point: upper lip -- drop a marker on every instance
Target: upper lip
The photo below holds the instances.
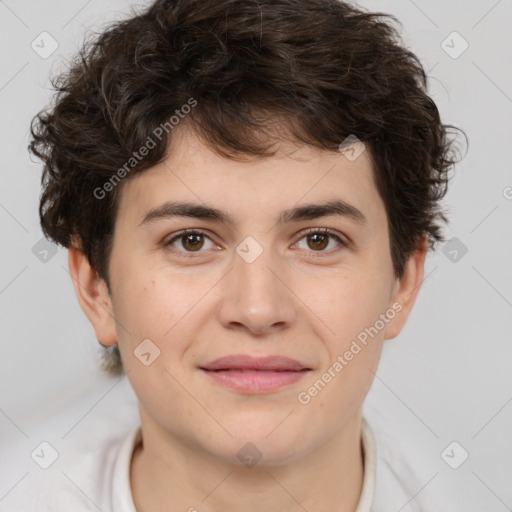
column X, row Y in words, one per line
column 246, row 362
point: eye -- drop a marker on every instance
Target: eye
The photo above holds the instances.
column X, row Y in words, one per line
column 191, row 241
column 320, row 239
column 195, row 240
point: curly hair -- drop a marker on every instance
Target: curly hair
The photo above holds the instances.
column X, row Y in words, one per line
column 326, row 68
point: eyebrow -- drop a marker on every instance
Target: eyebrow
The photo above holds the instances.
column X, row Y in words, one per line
column 305, row 212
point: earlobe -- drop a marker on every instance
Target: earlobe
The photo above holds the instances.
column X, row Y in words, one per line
column 93, row 296
column 407, row 288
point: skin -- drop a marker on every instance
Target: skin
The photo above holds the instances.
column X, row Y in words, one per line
column 294, row 300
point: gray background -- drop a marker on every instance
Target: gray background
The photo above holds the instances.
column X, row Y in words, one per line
column 446, row 378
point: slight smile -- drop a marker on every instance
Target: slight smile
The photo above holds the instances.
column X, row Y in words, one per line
column 253, row 375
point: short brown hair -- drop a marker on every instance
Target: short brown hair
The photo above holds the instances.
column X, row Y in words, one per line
column 327, row 68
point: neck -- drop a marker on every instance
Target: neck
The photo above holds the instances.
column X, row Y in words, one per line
column 168, row 474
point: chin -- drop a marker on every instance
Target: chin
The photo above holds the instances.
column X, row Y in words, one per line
column 270, row 443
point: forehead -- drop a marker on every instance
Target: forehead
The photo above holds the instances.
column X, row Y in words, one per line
column 254, row 188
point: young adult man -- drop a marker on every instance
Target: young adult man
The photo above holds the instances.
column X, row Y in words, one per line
column 248, row 191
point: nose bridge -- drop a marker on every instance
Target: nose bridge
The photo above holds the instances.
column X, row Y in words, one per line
column 257, row 298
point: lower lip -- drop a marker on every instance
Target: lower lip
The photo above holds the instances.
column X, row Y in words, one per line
column 255, row 381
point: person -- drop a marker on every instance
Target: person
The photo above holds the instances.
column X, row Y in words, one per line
column 247, row 191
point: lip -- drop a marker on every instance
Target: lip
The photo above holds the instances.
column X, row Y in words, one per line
column 253, row 375
column 246, row 362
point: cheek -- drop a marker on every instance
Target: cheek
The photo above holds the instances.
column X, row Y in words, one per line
column 353, row 341
column 350, row 304
column 137, row 285
column 156, row 304
column 142, row 306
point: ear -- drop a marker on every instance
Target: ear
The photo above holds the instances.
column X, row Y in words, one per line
column 407, row 288
column 93, row 296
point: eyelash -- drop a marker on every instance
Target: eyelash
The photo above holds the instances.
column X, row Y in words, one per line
column 194, row 254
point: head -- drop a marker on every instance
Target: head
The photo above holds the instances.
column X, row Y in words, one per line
column 246, row 111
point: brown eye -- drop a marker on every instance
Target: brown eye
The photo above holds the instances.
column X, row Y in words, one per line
column 318, row 241
column 188, row 242
column 193, row 241
column 321, row 241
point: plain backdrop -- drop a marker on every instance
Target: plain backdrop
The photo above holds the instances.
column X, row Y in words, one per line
column 445, row 378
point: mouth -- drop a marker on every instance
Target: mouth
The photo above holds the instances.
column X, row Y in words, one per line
column 254, row 375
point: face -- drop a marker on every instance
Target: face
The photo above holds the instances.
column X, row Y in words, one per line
column 266, row 271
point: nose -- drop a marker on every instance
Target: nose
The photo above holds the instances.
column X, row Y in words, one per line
column 256, row 297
